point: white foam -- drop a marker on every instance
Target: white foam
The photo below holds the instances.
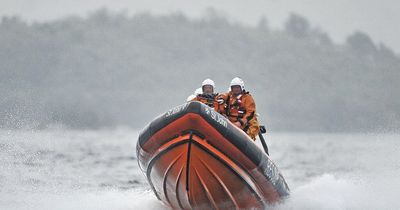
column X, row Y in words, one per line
column 329, row 192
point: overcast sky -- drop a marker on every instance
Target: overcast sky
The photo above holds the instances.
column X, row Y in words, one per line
column 379, row 18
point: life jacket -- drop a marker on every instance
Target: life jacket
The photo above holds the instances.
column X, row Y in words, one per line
column 208, row 99
column 236, row 109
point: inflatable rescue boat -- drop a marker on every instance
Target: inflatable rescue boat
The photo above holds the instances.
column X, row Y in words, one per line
column 194, row 158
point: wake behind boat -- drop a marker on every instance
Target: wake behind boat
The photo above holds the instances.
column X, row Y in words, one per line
column 194, row 158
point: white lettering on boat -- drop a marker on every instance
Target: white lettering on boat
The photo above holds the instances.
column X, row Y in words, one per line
column 216, row 117
column 272, row 173
column 176, row 110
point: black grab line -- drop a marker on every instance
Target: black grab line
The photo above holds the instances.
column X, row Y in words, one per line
column 188, row 160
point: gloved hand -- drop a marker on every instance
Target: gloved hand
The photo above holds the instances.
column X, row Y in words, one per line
column 238, row 124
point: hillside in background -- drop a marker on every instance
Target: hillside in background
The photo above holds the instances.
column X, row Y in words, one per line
column 112, row 69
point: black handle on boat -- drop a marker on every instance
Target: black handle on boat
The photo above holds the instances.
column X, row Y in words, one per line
column 264, row 144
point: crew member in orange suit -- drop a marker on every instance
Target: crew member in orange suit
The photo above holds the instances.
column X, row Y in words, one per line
column 207, row 96
column 239, row 107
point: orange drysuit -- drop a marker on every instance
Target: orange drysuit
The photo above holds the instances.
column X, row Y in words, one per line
column 240, row 108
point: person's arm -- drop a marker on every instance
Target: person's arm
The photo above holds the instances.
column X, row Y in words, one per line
column 221, row 102
column 250, row 106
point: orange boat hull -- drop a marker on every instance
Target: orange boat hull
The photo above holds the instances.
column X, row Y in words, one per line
column 194, row 158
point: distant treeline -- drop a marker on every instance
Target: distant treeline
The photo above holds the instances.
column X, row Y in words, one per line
column 110, row 69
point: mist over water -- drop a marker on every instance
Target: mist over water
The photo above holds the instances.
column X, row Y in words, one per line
column 108, row 69
column 69, row 169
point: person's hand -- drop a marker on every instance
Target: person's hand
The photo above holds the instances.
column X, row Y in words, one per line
column 237, row 124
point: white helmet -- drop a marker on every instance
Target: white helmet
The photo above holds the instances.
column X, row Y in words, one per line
column 237, row 81
column 208, row 82
column 198, row 91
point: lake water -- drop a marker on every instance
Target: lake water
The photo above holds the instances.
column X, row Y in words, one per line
column 97, row 169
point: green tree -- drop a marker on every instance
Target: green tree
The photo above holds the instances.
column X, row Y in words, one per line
column 297, row 26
